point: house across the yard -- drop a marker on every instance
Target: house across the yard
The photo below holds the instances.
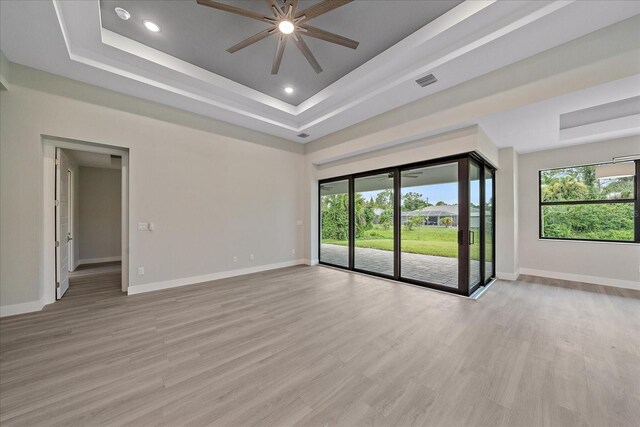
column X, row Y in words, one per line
column 434, row 215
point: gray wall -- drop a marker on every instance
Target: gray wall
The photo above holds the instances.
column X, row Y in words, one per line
column 507, row 226
column 213, row 190
column 100, row 214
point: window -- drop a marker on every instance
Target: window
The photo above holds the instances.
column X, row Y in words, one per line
column 428, row 223
column 593, row 202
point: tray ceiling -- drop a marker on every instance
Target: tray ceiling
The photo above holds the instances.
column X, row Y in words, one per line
column 200, row 36
column 72, row 38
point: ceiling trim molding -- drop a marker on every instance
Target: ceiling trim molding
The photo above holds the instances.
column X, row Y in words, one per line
column 466, row 29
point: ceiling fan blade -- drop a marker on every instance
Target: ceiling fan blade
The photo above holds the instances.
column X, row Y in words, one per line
column 291, row 4
column 277, row 59
column 236, row 10
column 275, row 7
column 329, row 37
column 321, row 8
column 251, row 40
column 297, row 39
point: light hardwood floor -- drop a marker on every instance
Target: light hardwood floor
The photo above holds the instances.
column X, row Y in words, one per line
column 318, row 346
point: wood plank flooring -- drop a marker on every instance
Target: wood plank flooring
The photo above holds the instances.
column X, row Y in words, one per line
column 317, row 346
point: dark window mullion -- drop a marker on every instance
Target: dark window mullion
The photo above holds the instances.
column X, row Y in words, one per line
column 637, row 202
column 352, row 223
column 587, row 202
column 397, row 206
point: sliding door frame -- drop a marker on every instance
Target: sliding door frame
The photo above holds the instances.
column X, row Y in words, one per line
column 463, row 161
column 350, row 241
column 352, row 230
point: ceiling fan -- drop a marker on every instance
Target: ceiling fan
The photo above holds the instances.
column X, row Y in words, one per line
column 409, row 174
column 288, row 22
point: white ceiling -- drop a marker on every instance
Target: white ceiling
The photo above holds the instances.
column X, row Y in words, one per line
column 474, row 38
column 536, row 126
column 200, row 36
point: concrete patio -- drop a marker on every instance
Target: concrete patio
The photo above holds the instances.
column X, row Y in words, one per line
column 428, row 268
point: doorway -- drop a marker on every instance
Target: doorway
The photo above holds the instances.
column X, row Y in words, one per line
column 427, row 223
column 86, row 215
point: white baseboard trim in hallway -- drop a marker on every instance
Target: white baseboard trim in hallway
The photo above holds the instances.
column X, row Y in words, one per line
column 156, row 286
column 99, row 260
column 627, row 284
column 25, row 307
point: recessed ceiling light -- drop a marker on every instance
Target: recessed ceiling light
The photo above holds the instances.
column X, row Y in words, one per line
column 286, row 27
column 288, row 90
column 151, row 26
column 122, row 14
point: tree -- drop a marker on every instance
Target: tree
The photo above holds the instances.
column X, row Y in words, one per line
column 414, row 221
column 384, row 199
column 441, row 203
column 565, row 188
column 412, row 201
column 447, row 221
column 386, row 219
column 335, row 217
column 364, row 215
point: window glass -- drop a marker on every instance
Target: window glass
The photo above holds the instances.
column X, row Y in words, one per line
column 593, row 182
column 592, row 202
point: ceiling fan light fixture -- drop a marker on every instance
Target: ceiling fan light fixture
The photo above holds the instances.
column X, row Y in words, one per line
column 286, row 27
column 122, row 13
column 151, row 26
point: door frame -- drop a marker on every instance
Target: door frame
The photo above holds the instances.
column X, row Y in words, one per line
column 463, row 161
column 49, row 145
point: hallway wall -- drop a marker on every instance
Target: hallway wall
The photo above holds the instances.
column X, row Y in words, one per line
column 100, row 214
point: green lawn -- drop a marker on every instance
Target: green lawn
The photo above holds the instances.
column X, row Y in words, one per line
column 438, row 241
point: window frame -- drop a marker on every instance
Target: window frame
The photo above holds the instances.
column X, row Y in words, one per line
column 462, row 161
column 635, row 201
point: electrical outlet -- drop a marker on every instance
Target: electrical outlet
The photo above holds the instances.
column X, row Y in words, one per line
column 251, row 257
column 140, row 271
column 235, row 259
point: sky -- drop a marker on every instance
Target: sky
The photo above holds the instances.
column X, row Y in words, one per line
column 447, row 193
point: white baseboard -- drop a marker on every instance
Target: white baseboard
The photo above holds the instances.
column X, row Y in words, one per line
column 97, row 260
column 508, row 276
column 312, row 261
column 156, row 286
column 628, row 284
column 25, row 307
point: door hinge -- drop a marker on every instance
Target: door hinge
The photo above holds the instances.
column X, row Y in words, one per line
column 56, row 202
column 57, row 162
column 57, row 244
column 57, row 285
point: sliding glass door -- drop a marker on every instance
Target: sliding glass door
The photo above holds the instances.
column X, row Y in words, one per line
column 374, row 230
column 429, row 223
column 429, row 231
column 334, row 220
column 474, row 237
column 489, row 272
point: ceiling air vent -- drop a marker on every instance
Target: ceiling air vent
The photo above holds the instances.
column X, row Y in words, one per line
column 426, row 80
column 303, row 135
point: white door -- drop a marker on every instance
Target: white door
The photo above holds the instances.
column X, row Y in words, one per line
column 63, row 235
column 70, row 195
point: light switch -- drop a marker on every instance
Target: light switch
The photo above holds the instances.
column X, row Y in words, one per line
column 143, row 226
column 140, row 271
column 151, row 226
column 299, row 222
